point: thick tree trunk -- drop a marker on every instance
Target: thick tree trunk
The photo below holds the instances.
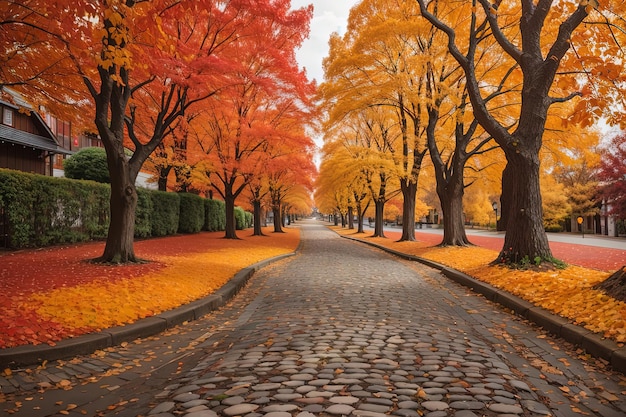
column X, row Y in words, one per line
column 409, row 193
column 451, row 198
column 525, row 238
column 257, row 213
column 350, row 218
column 229, row 203
column 379, row 220
column 278, row 219
column 119, row 246
column 360, row 212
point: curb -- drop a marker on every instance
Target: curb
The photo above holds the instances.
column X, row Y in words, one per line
column 88, row 343
column 593, row 344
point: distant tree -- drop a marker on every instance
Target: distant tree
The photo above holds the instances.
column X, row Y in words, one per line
column 612, row 176
column 555, row 203
column 88, row 164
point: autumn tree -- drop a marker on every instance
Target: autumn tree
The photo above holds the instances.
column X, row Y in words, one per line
column 536, row 36
column 330, row 194
column 343, row 169
column 380, row 62
column 138, row 62
column 574, row 165
column 612, row 176
column 291, row 177
column 368, row 137
column 241, row 123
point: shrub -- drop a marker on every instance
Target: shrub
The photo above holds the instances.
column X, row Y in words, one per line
column 239, row 218
column 191, row 218
column 88, row 164
column 143, row 213
column 43, row 210
column 17, row 200
column 215, row 213
column 165, row 213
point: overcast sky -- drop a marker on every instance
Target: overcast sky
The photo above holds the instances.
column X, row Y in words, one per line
column 329, row 16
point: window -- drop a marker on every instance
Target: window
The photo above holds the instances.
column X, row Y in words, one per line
column 7, row 116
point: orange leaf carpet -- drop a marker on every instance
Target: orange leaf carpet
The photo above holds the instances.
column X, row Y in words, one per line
column 50, row 294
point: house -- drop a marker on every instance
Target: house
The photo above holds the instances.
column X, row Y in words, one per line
column 27, row 143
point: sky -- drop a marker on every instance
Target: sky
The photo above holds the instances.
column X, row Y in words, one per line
column 329, row 16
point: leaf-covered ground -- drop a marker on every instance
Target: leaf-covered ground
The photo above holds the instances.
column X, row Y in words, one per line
column 50, row 294
column 568, row 292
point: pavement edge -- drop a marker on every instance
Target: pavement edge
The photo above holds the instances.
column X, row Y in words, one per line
column 592, row 343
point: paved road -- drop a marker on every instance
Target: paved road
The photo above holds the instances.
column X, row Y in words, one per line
column 339, row 330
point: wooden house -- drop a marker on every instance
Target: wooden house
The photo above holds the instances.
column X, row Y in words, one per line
column 27, row 143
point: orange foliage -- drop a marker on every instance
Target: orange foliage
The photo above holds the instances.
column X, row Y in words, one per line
column 568, row 292
column 188, row 267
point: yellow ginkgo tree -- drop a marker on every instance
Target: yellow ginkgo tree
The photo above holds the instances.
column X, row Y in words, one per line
column 562, row 49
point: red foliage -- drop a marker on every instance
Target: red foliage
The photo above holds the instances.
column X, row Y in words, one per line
column 612, row 176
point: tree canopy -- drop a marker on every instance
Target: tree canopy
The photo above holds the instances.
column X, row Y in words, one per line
column 132, row 70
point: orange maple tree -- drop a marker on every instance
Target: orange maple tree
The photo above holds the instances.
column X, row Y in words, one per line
column 247, row 117
column 142, row 63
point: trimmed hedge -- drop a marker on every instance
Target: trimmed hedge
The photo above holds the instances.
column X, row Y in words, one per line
column 43, row 210
column 243, row 219
column 215, row 213
column 191, row 218
column 143, row 213
column 40, row 210
column 166, row 210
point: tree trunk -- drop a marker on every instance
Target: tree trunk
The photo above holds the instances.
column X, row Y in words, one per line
column 360, row 212
column 257, row 212
column 119, row 246
column 278, row 221
column 525, row 238
column 379, row 220
column 451, row 198
column 163, row 174
column 350, row 218
column 409, row 193
column 229, row 203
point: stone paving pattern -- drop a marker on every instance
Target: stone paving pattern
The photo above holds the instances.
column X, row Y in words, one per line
column 339, row 330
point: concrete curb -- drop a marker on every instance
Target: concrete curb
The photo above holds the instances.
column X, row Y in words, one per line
column 86, row 344
column 591, row 342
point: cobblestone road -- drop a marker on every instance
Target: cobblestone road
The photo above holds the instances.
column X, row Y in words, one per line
column 339, row 330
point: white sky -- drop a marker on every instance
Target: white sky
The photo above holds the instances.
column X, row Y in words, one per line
column 329, row 16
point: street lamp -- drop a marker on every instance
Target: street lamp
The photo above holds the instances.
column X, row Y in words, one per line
column 494, row 205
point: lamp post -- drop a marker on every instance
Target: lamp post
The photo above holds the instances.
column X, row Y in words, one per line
column 494, row 205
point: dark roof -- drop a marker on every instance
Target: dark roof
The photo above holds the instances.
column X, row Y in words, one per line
column 19, row 137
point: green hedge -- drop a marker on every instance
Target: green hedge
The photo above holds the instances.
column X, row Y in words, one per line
column 143, row 213
column 166, row 210
column 41, row 210
column 17, row 203
column 243, row 219
column 215, row 213
column 191, row 218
